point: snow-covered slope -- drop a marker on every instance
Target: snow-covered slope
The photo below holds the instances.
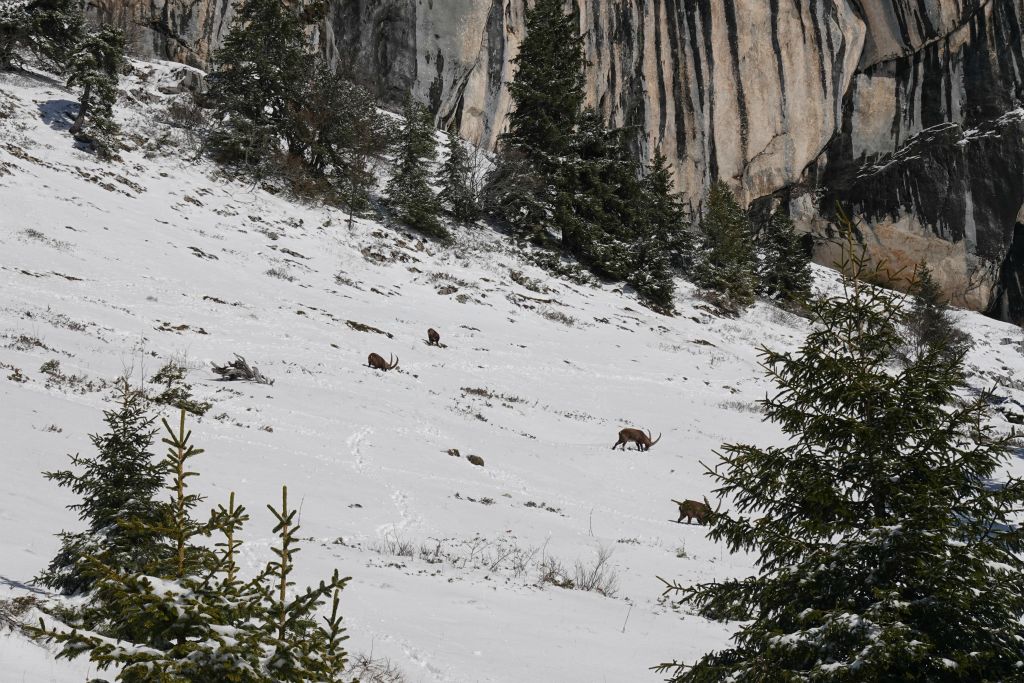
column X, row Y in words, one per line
column 118, row 268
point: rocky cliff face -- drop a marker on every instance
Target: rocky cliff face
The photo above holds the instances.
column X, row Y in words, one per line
column 746, row 90
column 930, row 147
column 903, row 110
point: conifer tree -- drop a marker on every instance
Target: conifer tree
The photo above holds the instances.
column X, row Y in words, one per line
column 727, row 263
column 300, row 649
column 50, row 29
column 178, row 526
column 596, row 196
column 177, row 393
column 884, row 552
column 258, row 84
column 547, row 90
column 200, row 621
column 785, row 269
column 118, row 489
column 409, row 191
column 13, row 31
column 345, row 132
column 95, row 67
column 518, row 195
column 455, row 180
column 547, row 94
column 928, row 321
column 650, row 270
column 662, row 242
column 666, row 211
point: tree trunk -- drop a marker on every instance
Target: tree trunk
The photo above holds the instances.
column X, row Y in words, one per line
column 83, row 111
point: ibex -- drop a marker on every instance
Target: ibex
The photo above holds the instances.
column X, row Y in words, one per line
column 377, row 362
column 642, row 441
column 692, row 509
column 433, row 338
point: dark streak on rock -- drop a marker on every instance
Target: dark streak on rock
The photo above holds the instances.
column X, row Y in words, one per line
column 737, row 74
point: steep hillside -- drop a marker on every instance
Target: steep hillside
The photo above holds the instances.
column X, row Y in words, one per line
column 900, row 109
column 112, row 269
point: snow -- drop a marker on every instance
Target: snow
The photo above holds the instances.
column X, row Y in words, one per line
column 101, row 266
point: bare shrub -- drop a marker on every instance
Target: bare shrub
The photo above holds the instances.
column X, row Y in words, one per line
column 14, row 610
column 521, row 560
column 33, row 234
column 184, row 114
column 78, row 384
column 532, row 284
column 742, row 406
column 25, row 342
column 558, row 317
column 365, row 669
column 483, row 392
column 62, row 320
column 346, row 281
column 599, row 577
column 502, row 556
column 431, row 554
column 438, row 277
column 16, row 374
column 392, row 544
column 552, row 572
column 281, row 274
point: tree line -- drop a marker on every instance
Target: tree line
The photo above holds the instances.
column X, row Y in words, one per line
column 277, row 111
column 157, row 600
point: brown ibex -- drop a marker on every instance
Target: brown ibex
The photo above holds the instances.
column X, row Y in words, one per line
column 377, row 362
column 692, row 509
column 433, row 338
column 642, row 441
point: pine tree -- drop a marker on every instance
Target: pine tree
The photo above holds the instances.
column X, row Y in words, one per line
column 177, row 393
column 345, row 133
column 650, row 271
column 884, row 551
column 928, row 322
column 727, row 263
column 524, row 187
column 55, row 29
column 596, row 192
column 118, row 489
column 300, row 649
column 178, row 526
column 409, row 191
column 196, row 622
column 666, row 211
column 661, row 240
column 13, row 29
column 785, row 269
column 49, row 29
column 259, row 81
column 454, row 177
column 95, row 67
column 519, row 196
column 547, row 90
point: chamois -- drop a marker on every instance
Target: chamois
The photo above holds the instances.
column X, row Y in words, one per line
column 433, row 338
